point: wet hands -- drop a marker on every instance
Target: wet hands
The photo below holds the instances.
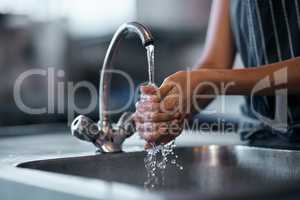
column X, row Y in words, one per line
column 160, row 112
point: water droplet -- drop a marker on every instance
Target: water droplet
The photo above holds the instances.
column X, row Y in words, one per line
column 156, row 162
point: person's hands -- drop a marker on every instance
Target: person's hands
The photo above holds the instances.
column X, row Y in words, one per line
column 154, row 123
column 160, row 113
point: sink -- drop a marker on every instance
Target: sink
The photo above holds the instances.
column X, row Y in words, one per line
column 207, row 170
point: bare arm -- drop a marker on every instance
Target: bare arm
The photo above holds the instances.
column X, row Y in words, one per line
column 219, row 50
column 219, row 53
column 281, row 74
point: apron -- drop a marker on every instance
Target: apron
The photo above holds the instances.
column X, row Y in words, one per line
column 265, row 32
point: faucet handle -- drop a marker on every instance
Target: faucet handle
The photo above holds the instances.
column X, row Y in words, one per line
column 124, row 128
column 110, row 138
column 115, row 135
column 126, row 124
column 84, row 128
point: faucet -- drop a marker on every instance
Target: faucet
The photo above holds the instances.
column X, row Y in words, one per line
column 107, row 136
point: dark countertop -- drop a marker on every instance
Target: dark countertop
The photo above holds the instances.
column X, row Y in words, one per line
column 22, row 144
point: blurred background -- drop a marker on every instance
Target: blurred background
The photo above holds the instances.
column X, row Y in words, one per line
column 73, row 36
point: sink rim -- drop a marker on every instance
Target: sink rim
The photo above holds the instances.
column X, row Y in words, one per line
column 19, row 164
column 273, row 190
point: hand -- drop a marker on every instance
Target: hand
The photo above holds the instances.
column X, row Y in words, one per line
column 154, row 125
column 160, row 113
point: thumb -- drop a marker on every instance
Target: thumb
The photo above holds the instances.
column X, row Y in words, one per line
column 148, row 89
column 164, row 89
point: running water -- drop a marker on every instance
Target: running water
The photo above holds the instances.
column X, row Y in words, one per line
column 150, row 58
column 158, row 156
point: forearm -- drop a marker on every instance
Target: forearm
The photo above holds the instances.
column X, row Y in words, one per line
column 285, row 74
column 214, row 55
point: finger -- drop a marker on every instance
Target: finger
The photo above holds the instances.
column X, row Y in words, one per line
column 151, row 98
column 151, row 137
column 160, row 132
column 163, row 140
column 152, row 127
column 142, row 106
column 166, row 139
column 175, row 127
column 170, row 103
column 164, row 89
column 156, row 138
column 151, row 132
column 172, row 133
column 162, row 127
column 148, row 146
column 155, row 117
column 148, row 89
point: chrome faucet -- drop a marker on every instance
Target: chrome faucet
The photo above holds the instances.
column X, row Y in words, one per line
column 106, row 136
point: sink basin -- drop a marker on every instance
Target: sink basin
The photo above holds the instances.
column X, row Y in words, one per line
column 207, row 170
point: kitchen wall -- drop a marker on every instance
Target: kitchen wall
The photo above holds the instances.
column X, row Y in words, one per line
column 73, row 36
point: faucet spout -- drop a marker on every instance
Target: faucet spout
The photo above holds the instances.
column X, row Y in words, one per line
column 146, row 37
column 109, row 137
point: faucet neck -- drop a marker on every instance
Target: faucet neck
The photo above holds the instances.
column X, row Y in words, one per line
column 146, row 37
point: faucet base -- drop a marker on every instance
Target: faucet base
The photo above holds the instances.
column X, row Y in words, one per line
column 108, row 139
column 111, row 148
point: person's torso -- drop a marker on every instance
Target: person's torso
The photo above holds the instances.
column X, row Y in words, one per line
column 267, row 31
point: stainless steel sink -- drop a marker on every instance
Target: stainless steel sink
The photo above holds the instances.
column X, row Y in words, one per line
column 207, row 170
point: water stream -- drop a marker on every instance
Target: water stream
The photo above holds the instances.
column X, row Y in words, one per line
column 150, row 58
column 158, row 156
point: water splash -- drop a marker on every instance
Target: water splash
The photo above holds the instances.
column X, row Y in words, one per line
column 156, row 162
column 150, row 58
